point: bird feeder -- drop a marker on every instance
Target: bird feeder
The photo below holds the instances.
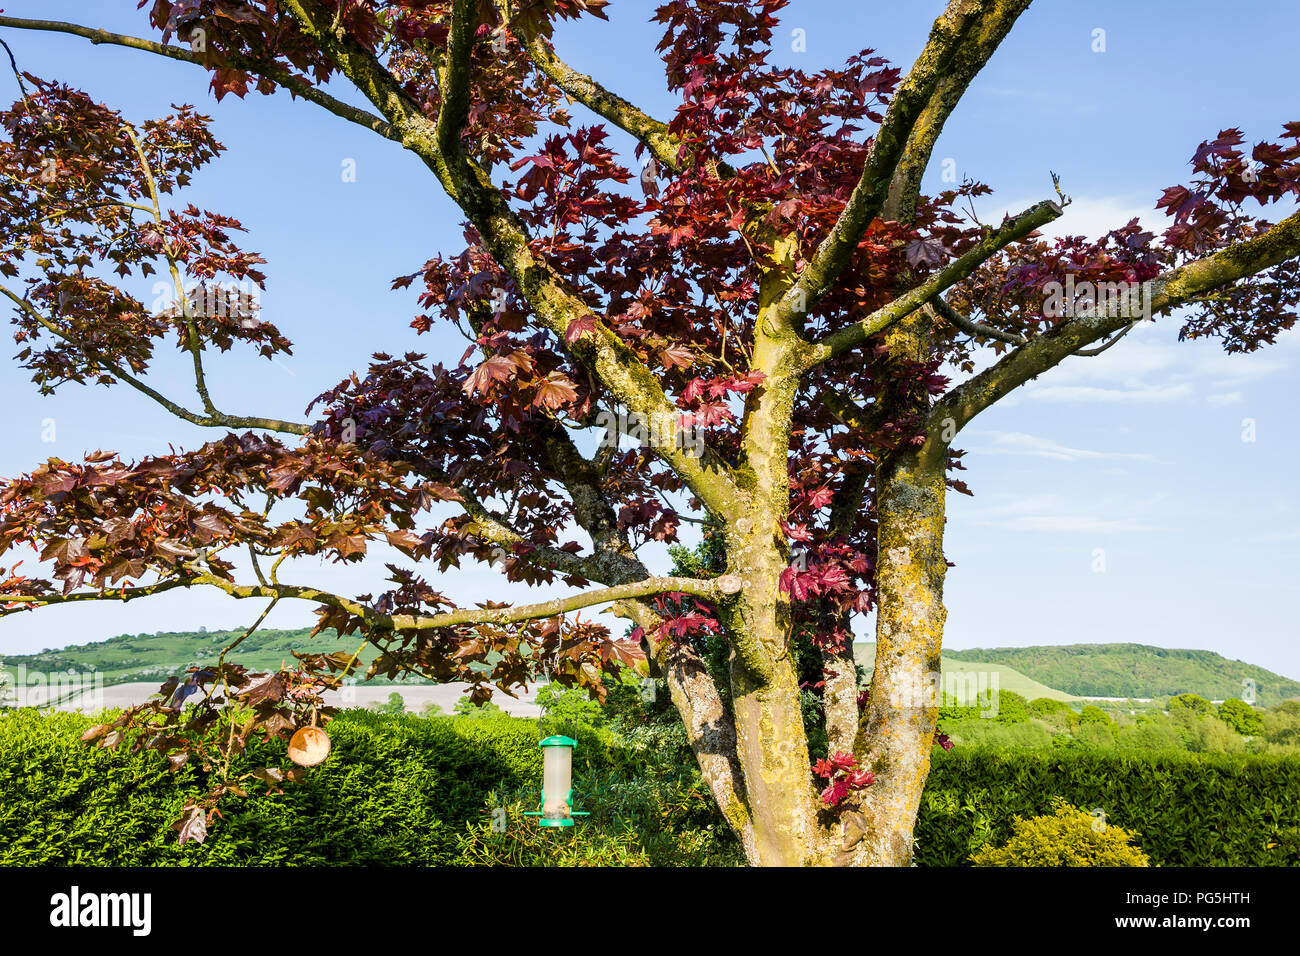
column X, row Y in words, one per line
column 557, row 783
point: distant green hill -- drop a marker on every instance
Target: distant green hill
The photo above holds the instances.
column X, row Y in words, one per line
column 1008, row 677
column 1136, row 670
column 1061, row 673
column 147, row 657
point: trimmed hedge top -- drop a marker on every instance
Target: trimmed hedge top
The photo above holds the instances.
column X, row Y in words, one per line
column 405, row 790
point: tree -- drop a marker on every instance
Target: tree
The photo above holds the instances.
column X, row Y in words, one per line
column 1241, row 717
column 1012, row 707
column 1192, row 704
column 1042, row 706
column 465, row 707
column 765, row 317
column 1282, row 724
column 1092, row 714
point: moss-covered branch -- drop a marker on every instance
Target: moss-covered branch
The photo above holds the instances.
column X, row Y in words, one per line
column 1010, row 231
column 710, row 589
column 1170, row 290
column 663, row 145
column 909, row 104
column 976, row 47
column 557, row 305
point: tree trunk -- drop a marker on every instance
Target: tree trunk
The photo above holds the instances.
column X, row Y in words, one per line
column 773, row 752
column 899, row 725
column 770, row 740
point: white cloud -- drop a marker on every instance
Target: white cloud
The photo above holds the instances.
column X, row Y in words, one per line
column 1091, row 393
column 1066, row 524
column 1026, row 505
column 1091, row 216
column 1049, row 513
column 1228, row 398
column 1018, row 443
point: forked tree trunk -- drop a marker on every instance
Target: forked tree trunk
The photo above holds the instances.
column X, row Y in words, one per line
column 896, row 733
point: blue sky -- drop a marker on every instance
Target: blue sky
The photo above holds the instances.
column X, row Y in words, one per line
column 1133, row 460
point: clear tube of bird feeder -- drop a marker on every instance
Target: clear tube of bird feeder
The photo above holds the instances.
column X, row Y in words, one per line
column 557, row 781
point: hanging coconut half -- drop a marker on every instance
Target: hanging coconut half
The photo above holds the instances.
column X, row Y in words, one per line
column 309, row 745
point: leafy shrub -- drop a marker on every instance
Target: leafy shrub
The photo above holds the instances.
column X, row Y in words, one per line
column 393, row 791
column 1285, row 846
column 396, row 790
column 569, row 706
column 1012, row 709
column 1058, row 718
column 1282, row 724
column 1211, row 735
column 1095, row 736
column 1151, row 733
column 993, row 734
column 1191, row 809
column 1066, row 837
column 412, row 791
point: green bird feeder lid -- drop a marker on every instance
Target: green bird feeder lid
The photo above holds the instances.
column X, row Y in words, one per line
column 558, row 741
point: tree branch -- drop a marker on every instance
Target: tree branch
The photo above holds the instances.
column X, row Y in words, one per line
column 1089, row 353
column 711, row 589
column 663, row 145
column 439, row 145
column 27, row 602
column 977, row 46
column 297, row 85
column 848, row 411
column 213, row 419
column 971, row 327
column 1170, row 290
column 711, row 732
column 907, row 107
column 612, row 560
column 1009, row 232
column 193, row 344
column 603, row 566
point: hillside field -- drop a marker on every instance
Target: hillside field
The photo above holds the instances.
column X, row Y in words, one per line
column 1008, row 678
column 1138, row 670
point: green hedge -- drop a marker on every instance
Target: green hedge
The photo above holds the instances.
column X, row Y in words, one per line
column 1188, row 809
column 411, row 791
column 396, row 790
